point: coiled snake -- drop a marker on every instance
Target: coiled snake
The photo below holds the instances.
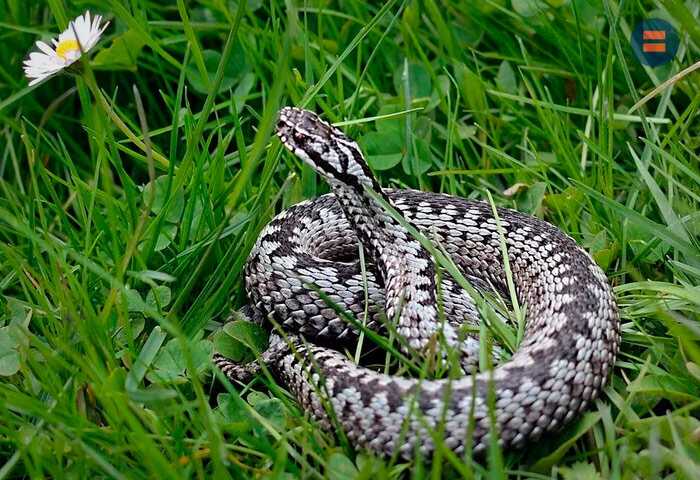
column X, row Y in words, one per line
column 307, row 257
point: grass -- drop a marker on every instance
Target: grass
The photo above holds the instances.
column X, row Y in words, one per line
column 130, row 196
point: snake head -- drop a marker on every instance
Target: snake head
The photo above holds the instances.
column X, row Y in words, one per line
column 324, row 147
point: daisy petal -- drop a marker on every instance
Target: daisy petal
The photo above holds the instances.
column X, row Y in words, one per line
column 82, row 34
column 45, row 48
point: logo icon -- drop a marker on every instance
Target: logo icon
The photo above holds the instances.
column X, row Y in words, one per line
column 655, row 42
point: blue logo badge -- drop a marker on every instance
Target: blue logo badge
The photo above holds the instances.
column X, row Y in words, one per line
column 655, row 42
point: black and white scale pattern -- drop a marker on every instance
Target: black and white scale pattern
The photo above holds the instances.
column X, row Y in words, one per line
column 572, row 329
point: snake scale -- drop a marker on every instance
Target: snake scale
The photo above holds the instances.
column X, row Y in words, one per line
column 570, row 340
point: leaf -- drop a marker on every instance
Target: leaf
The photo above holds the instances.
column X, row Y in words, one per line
column 532, row 200
column 567, row 203
column 161, row 199
column 240, row 94
column 411, row 16
column 580, row 471
column 665, row 386
column 170, row 364
column 272, row 409
column 229, row 409
column 421, row 155
column 237, row 415
column 693, row 369
column 255, row 397
column 575, row 432
column 251, row 5
column 384, row 161
column 230, row 348
column 368, row 465
column 393, row 125
column 466, row 131
column 159, row 297
column 240, row 340
column 154, row 275
column 9, row 356
column 201, row 355
column 145, row 359
column 605, row 256
column 640, row 241
column 121, row 54
column 232, row 70
column 472, row 89
column 589, row 11
column 412, row 80
column 669, row 428
column 17, row 312
column 595, row 240
column 152, row 394
column 529, row 8
column 134, row 302
column 131, row 331
column 197, row 218
column 249, row 334
column 383, row 150
column 166, row 235
column 232, row 414
column 340, row 467
column 469, row 30
column 505, row 79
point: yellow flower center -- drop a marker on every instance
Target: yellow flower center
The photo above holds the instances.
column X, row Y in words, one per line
column 67, row 46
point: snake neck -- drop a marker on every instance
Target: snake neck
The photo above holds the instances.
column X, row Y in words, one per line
column 407, row 268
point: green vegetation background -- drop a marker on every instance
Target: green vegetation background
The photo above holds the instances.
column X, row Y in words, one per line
column 131, row 195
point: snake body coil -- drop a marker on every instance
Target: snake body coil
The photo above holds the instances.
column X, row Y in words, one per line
column 571, row 335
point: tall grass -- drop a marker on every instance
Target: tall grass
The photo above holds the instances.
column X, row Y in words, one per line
column 130, row 196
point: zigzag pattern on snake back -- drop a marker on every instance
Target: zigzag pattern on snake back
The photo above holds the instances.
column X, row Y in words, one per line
column 571, row 336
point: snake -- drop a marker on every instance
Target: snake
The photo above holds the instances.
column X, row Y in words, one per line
column 345, row 255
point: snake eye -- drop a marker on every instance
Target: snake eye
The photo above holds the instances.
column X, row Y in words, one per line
column 298, row 136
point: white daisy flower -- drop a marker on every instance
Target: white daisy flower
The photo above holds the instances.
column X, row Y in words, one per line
column 81, row 35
